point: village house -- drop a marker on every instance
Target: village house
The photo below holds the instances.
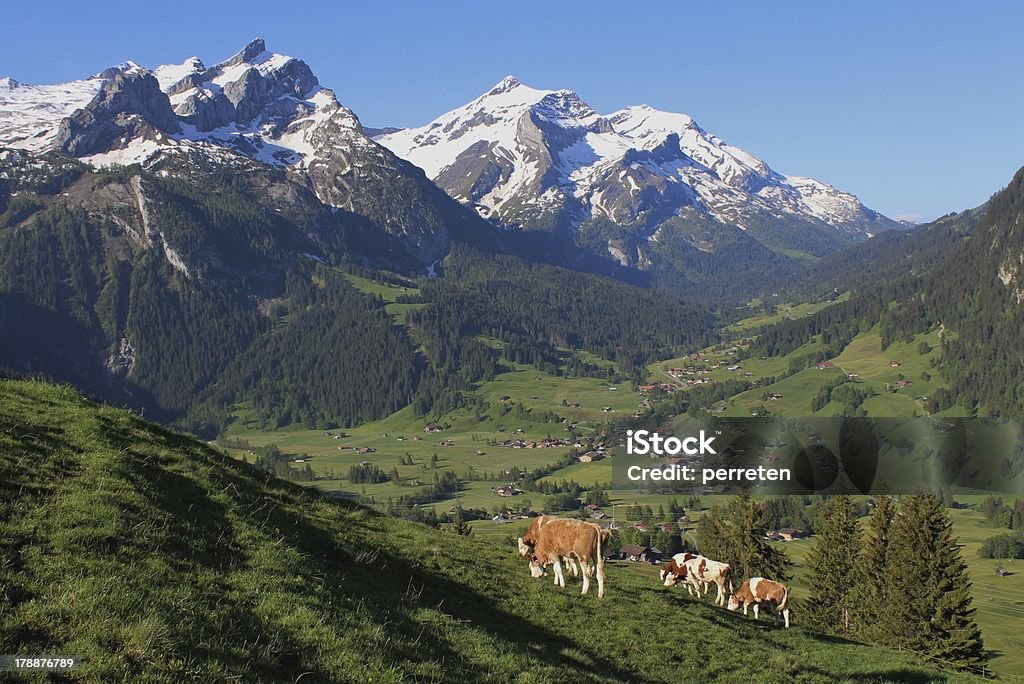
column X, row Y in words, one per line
column 790, row 533
column 640, row 554
column 824, row 364
column 507, row 490
column 590, row 457
column 433, row 427
column 894, row 364
column 900, row 384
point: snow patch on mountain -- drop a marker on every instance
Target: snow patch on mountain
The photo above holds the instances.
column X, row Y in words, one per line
column 514, row 145
column 30, row 115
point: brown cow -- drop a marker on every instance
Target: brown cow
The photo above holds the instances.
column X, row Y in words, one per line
column 758, row 590
column 549, row 540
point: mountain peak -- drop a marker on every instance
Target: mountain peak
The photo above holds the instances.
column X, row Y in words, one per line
column 506, row 84
column 254, row 48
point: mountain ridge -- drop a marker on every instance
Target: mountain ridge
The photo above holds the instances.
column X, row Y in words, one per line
column 527, row 157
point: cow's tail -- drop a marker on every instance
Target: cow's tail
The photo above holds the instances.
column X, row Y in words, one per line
column 785, row 598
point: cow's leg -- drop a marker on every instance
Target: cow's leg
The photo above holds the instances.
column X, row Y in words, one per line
column 599, row 571
column 755, row 611
column 721, row 594
column 745, row 606
column 785, row 614
column 559, row 577
column 586, row 577
column 572, row 566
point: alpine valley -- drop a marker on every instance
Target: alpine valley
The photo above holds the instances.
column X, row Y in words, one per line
column 454, row 324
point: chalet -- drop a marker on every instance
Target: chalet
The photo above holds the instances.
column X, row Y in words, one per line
column 824, row 364
column 499, row 519
column 433, row 427
column 789, row 534
column 647, row 388
column 590, row 457
column 598, row 515
column 447, row 442
column 774, row 396
column 894, row 364
column 640, row 554
column 592, row 507
column 640, row 527
column 507, row 490
column 900, row 384
column 607, row 409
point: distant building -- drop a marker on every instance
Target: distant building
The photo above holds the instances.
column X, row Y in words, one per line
column 640, row 554
column 790, row 533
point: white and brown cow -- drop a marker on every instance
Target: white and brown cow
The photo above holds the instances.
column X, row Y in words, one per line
column 758, row 590
column 674, row 570
column 549, row 540
column 700, row 573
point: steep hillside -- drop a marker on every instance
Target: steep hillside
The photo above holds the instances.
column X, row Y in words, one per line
column 958, row 278
column 156, row 558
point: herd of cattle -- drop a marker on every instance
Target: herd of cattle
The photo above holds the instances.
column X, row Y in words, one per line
column 561, row 541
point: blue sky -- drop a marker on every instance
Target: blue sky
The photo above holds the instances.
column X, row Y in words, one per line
column 916, row 107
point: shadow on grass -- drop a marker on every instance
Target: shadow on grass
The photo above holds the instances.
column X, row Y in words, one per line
column 390, row 590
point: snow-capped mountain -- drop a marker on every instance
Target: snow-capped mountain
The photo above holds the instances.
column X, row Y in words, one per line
column 529, row 157
column 257, row 107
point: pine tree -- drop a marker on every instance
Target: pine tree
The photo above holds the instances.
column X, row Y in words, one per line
column 931, row 593
column 459, row 525
column 872, row 607
column 832, row 570
column 737, row 538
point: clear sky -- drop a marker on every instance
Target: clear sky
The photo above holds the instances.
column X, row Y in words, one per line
column 914, row 106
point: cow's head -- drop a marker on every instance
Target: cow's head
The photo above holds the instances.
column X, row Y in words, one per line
column 536, row 567
column 734, row 603
column 524, row 548
column 671, row 575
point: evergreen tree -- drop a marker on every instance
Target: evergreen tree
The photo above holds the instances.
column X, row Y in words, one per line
column 459, row 525
column 931, row 592
column 871, row 602
column 737, row 538
column 832, row 570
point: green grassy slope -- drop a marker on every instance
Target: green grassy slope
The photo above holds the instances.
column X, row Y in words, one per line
column 156, row 558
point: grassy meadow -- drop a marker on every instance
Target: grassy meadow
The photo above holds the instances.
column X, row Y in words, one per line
column 156, row 558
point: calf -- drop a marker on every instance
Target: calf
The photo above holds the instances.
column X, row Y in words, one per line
column 758, row 590
column 548, row 541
